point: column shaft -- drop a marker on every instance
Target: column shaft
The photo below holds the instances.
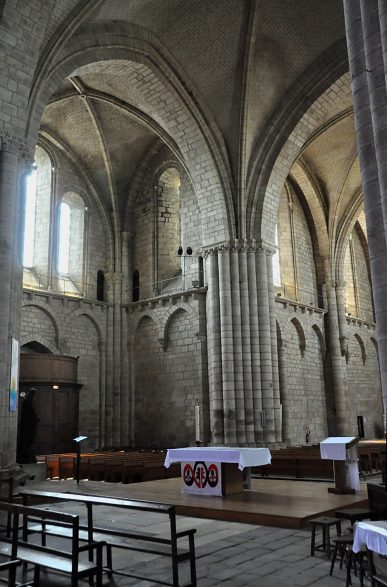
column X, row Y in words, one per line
column 246, row 347
column 214, row 350
column 227, row 346
column 255, row 344
column 8, row 230
column 365, row 134
column 265, row 347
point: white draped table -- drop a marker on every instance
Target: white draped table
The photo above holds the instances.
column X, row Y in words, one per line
column 373, row 535
column 212, row 470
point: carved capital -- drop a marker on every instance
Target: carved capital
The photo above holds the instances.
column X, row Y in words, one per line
column 233, row 246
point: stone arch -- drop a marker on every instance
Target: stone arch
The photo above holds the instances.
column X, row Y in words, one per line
column 311, row 191
column 301, row 334
column 280, row 340
column 375, row 344
column 81, row 312
column 95, row 44
column 55, row 319
column 321, row 340
column 362, row 347
column 137, row 322
column 183, row 307
column 287, row 134
column 28, row 338
column 82, row 338
column 349, row 220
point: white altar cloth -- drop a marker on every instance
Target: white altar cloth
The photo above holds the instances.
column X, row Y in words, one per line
column 244, row 457
column 334, row 447
column 371, row 534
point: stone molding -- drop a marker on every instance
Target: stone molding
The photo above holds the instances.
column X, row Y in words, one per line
column 13, row 144
column 239, row 246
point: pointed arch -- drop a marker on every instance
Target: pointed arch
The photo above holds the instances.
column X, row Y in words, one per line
column 362, row 348
column 301, row 335
column 321, row 340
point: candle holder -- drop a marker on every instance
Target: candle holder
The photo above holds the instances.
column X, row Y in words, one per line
column 198, row 443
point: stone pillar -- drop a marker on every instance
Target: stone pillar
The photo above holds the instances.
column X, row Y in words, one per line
column 238, row 344
column 367, row 40
column 124, row 361
column 8, row 231
column 274, row 348
column 227, row 346
column 337, row 360
column 242, row 347
column 255, row 342
column 342, row 319
column 246, row 346
column 283, row 379
column 113, row 361
column 265, row 347
column 214, row 349
column 118, row 401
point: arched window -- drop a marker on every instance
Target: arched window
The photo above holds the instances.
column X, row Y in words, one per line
column 64, row 239
column 100, row 285
column 71, row 238
column 276, row 261
column 36, row 244
column 29, row 231
column 136, row 286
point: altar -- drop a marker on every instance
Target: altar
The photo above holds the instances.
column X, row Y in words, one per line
column 216, row 470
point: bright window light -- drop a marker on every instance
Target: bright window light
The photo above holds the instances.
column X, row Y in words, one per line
column 64, row 239
column 276, row 262
column 29, row 229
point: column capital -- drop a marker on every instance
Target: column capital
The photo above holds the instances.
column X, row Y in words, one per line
column 267, row 247
column 234, row 245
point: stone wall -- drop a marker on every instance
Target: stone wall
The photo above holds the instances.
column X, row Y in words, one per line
column 169, row 369
column 76, row 328
column 302, row 385
column 364, row 388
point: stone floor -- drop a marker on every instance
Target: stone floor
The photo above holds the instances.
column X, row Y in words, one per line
column 227, row 554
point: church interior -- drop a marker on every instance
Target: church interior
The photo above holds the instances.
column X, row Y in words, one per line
column 184, row 223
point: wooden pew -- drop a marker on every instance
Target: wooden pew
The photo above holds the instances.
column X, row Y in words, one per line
column 40, row 555
column 134, row 539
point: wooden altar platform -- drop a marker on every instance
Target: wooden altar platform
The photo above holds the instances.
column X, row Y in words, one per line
column 269, row 502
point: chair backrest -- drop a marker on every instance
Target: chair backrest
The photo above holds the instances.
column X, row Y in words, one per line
column 377, row 501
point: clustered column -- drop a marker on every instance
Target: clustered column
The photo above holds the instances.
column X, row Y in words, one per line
column 366, row 28
column 242, row 347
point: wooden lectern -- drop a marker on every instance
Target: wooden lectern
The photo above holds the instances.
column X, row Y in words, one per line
column 342, row 451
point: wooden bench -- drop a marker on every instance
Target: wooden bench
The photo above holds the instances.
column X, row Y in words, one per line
column 135, row 540
column 9, row 566
column 40, row 555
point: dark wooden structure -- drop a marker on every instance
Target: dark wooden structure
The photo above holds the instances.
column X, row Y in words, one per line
column 56, row 399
